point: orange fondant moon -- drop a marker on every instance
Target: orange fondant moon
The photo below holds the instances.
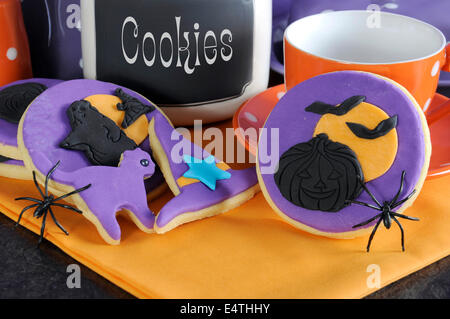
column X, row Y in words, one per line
column 107, row 105
column 375, row 156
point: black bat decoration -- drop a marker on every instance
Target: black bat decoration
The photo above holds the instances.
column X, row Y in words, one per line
column 96, row 135
column 322, row 108
column 382, row 128
column 133, row 108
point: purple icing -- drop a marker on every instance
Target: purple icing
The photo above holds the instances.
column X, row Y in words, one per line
column 333, row 88
column 8, row 131
column 117, row 188
column 46, row 125
column 49, row 110
column 197, row 196
column 157, row 178
column 171, row 139
column 13, row 162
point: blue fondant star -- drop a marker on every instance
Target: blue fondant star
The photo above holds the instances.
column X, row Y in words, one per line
column 205, row 171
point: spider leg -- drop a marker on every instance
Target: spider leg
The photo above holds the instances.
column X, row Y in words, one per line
column 363, row 204
column 37, row 184
column 367, row 221
column 402, row 180
column 73, row 193
column 30, row 199
column 48, row 177
column 401, row 229
column 373, row 233
column 41, row 237
column 405, row 217
column 68, row 207
column 23, row 211
column 56, row 222
column 368, row 192
column 404, row 199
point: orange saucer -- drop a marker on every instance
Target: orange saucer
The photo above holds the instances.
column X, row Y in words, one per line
column 253, row 114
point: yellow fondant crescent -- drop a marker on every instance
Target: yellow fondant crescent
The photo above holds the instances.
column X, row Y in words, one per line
column 107, row 105
column 375, row 156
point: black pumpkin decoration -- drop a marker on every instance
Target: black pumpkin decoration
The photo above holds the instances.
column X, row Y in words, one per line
column 15, row 99
column 319, row 175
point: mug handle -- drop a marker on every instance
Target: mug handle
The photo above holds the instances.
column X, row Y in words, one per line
column 444, row 109
column 446, row 66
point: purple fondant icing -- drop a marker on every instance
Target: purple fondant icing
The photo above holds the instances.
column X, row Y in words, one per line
column 296, row 125
column 49, row 110
column 197, row 196
column 117, row 188
column 8, row 131
column 13, row 162
column 46, row 125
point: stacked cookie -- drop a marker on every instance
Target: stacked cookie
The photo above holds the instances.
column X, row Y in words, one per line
column 105, row 140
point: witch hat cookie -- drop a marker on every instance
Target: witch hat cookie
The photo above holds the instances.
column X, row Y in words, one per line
column 355, row 154
column 59, row 127
column 203, row 186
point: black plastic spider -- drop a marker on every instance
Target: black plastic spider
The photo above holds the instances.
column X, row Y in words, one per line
column 43, row 207
column 386, row 215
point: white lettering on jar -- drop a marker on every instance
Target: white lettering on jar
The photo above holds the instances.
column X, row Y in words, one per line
column 135, row 33
column 165, row 50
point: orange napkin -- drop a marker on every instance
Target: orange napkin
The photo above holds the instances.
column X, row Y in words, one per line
column 248, row 252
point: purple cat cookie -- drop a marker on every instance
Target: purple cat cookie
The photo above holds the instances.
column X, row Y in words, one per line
column 46, row 125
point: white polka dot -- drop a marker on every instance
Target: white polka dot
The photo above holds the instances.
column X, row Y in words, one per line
column 326, row 11
column 251, row 117
column 81, row 63
column 435, row 69
column 427, row 105
column 11, row 54
column 391, row 6
column 280, row 95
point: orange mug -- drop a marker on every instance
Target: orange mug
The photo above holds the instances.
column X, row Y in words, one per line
column 406, row 50
column 15, row 62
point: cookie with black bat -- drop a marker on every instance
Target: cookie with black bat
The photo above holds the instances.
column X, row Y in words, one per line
column 82, row 116
column 351, row 149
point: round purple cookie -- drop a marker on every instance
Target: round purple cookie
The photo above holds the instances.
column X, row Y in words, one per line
column 334, row 139
column 61, row 116
column 14, row 99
